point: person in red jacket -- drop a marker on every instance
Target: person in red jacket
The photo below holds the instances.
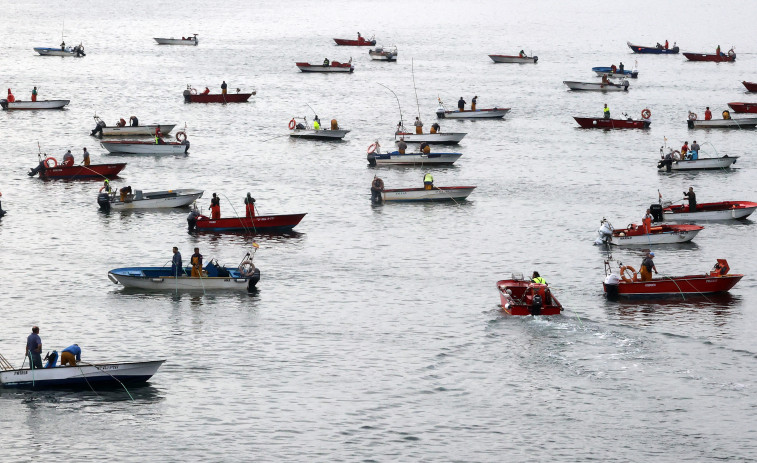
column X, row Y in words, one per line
column 707, row 114
column 11, row 98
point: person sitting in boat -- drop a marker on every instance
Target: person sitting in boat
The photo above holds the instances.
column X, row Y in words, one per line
column 726, row 115
column 461, row 104
column 613, row 69
column 692, row 197
column 684, row 150
column 605, row 80
column 418, row 126
column 196, row 261
column 334, row 124
column 402, row 146
column 11, row 98
column 68, row 159
column 400, row 127
column 646, row 222
column 249, row 205
column 215, row 207
column 85, row 156
column 359, row 37
column 176, row 264
column 106, row 186
column 435, row 127
column 428, row 181
column 70, row 355
column 647, row 266
column 158, row 135
column 658, row 46
column 206, row 91
column 694, row 151
column 325, row 62
column 425, row 148
column 125, row 193
column 377, row 186
column 707, row 114
column 522, row 54
column 316, row 123
column 606, row 111
column 666, row 44
column 133, row 121
column 536, row 278
column 473, row 103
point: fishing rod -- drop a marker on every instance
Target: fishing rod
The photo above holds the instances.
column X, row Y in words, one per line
column 398, row 101
column 412, row 71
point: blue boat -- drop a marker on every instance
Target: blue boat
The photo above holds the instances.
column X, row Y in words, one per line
column 653, row 50
column 617, row 74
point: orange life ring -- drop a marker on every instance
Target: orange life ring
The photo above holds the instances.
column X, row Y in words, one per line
column 47, row 164
column 625, row 278
column 292, row 124
column 181, row 136
column 646, row 113
column 193, row 91
column 692, row 116
column 372, row 148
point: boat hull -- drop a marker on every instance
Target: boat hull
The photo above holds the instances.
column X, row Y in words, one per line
column 652, row 50
column 493, row 113
column 45, row 104
column 412, row 159
column 131, row 147
column 743, row 107
column 82, row 375
column 96, row 171
column 43, row 51
column 160, row 279
column 741, row 123
column 601, row 71
column 659, row 234
column 514, row 59
column 600, row 123
column 520, row 299
column 677, row 286
column 150, row 200
column 262, row 223
column 595, row 87
column 142, row 130
column 384, row 55
column 450, row 138
column 326, row 134
column 306, row 67
column 355, row 43
column 444, row 193
column 710, row 57
column 750, row 86
column 217, row 98
column 726, row 210
column 190, row 42
column 702, row 164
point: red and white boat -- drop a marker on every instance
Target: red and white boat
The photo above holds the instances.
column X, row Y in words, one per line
column 743, row 107
column 522, row 297
column 514, row 59
column 41, row 104
column 261, row 223
column 636, row 235
column 750, row 86
column 724, row 210
column 601, row 123
column 360, row 42
column 718, row 58
column 627, row 283
column 334, row 66
column 49, row 168
column 192, row 96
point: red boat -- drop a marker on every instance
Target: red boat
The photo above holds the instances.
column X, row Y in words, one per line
column 750, row 86
column 260, row 223
column 718, row 58
column 600, row 123
column 360, row 42
column 743, row 107
column 191, row 96
column 625, row 285
column 521, row 297
column 49, row 168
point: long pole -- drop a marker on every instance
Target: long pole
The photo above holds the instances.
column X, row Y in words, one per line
column 412, row 71
column 395, row 96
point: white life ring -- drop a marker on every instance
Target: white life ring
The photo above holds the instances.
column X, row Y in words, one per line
column 692, row 116
column 246, row 268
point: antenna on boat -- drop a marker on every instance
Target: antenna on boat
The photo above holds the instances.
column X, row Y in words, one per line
column 412, row 71
column 395, row 96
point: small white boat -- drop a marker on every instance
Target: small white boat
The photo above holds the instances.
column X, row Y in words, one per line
column 145, row 147
column 514, row 59
column 699, row 164
column 446, row 138
column 724, row 210
column 597, row 86
column 493, row 113
column 77, row 51
column 42, row 104
column 321, row 134
column 192, row 41
column 180, row 197
column 442, row 193
column 634, row 235
column 740, row 123
column 383, row 53
column 376, row 157
column 145, row 130
column 83, row 375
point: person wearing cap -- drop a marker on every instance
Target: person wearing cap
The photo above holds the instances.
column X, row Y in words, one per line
column 70, row 355
column 249, row 205
column 86, row 156
column 647, row 266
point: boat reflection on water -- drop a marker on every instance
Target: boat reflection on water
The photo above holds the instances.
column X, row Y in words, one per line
column 713, row 309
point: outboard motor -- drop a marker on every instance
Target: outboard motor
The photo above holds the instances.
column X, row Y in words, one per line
column 52, row 359
column 187, row 96
column 253, row 280
column 536, row 305
column 371, row 159
column 611, row 286
column 186, row 142
column 536, row 58
column 103, row 199
column 192, row 219
column 40, row 168
column 604, row 233
column 656, row 211
column 440, row 112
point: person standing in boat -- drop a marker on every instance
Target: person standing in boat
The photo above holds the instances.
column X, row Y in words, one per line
column 418, row 126
column 647, row 266
column 435, row 127
column 428, row 181
column 536, row 278
column 666, row 44
column 316, row 123
column 402, row 146
column 249, row 205
column 176, row 264
column 717, row 51
column 647, row 222
column 621, row 68
column 325, row 62
column 70, row 355
column 692, row 197
column 522, row 54
column 684, row 150
column 605, row 80
column 606, row 110
column 68, row 159
column 694, row 151
column 215, row 207
column 63, row 45
column 377, row 186
column 707, row 114
column 34, row 348
column 196, row 262
column 473, row 103
column 34, row 94
column 133, row 121
column 223, row 88
column 461, row 104
column 359, row 37
column 85, row 155
column 11, row 98
column 158, row 135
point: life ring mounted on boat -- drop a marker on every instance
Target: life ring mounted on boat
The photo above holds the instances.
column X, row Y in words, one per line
column 692, row 116
column 247, row 268
column 624, row 277
column 292, row 124
column 646, row 113
column 181, row 136
column 193, row 91
column 47, row 162
column 372, row 148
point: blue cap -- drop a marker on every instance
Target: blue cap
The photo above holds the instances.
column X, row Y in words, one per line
column 651, row 254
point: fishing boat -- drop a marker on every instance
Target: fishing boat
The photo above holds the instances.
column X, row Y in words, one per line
column 740, row 108
column 130, row 130
column 49, row 168
column 180, row 197
column 750, row 86
column 360, row 42
column 601, row 123
column 442, row 193
column 617, row 74
column 637, row 235
column 182, row 41
column 333, row 66
column 300, row 130
column 658, row 50
column 383, row 53
column 672, row 161
column 597, row 86
column 514, row 59
column 439, row 138
column 77, row 51
column 84, row 375
column 626, row 283
column 726, row 123
column 723, row 210
column 180, row 146
column 214, row 277
column 394, row 158
column 257, row 224
column 191, row 96
column 716, row 57
column 523, row 297
column 42, row 104
column 490, row 113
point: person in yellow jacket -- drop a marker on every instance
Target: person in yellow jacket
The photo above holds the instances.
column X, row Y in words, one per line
column 316, row 123
column 428, row 181
column 536, row 278
column 606, row 112
column 196, row 262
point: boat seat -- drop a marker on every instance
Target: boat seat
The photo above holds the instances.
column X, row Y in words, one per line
column 138, row 195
